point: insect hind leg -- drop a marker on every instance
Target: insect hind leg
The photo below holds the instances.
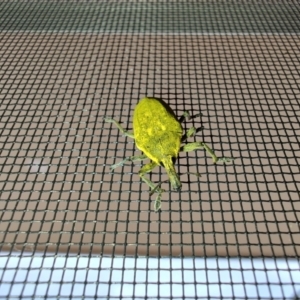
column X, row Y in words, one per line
column 129, row 158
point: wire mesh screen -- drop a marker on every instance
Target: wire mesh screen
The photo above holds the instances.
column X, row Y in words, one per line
column 73, row 228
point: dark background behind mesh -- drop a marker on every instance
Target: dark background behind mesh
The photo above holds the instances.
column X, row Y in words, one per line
column 66, row 65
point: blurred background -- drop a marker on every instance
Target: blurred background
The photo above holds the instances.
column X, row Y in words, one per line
column 72, row 228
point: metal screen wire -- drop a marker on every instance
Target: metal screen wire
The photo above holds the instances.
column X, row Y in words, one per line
column 71, row 227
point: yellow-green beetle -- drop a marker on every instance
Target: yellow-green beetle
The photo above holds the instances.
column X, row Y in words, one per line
column 158, row 134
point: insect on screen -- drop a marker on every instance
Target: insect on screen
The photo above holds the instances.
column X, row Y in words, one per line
column 71, row 227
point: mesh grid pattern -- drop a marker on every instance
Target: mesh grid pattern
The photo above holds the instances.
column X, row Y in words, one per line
column 70, row 227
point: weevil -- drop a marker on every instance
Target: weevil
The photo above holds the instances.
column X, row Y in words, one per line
column 159, row 135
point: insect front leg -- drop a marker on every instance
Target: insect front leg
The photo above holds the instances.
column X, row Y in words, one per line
column 200, row 145
column 144, row 170
column 125, row 132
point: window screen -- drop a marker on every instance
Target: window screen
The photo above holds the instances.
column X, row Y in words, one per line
column 70, row 227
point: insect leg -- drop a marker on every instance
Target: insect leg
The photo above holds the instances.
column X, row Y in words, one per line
column 186, row 116
column 192, row 131
column 200, row 145
column 144, row 170
column 130, row 158
column 126, row 133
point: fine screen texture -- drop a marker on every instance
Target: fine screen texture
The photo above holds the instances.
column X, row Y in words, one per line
column 70, row 227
